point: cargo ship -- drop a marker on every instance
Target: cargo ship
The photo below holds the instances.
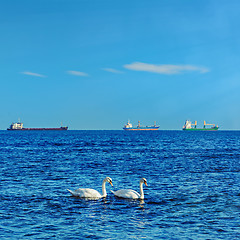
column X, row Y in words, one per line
column 188, row 126
column 18, row 126
column 129, row 127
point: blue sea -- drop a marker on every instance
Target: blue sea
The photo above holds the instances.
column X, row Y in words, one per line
column 193, row 187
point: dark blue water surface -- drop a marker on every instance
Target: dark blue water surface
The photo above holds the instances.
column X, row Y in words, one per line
column 193, row 184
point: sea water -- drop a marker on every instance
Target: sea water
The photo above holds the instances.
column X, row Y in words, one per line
column 193, row 187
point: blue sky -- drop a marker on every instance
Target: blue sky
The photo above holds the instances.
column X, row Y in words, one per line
column 94, row 64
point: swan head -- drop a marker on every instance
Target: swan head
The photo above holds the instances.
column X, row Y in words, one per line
column 143, row 180
column 108, row 179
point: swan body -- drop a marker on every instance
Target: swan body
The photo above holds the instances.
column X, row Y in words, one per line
column 131, row 194
column 85, row 193
column 91, row 193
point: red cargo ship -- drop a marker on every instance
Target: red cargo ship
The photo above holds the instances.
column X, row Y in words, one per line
column 19, row 127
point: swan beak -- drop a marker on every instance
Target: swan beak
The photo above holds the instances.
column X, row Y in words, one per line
column 145, row 183
column 111, row 184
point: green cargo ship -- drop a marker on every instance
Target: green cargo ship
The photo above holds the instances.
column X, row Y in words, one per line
column 188, row 126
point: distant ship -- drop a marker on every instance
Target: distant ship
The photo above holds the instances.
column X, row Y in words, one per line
column 18, row 126
column 129, row 127
column 188, row 126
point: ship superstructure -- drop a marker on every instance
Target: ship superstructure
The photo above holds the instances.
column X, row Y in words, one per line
column 129, row 127
column 16, row 126
column 193, row 127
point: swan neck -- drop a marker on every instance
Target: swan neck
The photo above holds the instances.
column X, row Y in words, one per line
column 104, row 192
column 141, row 191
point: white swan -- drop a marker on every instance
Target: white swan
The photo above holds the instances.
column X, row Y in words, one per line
column 129, row 193
column 91, row 193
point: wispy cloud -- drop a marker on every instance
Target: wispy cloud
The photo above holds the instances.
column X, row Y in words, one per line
column 77, row 73
column 164, row 68
column 33, row 74
column 112, row 70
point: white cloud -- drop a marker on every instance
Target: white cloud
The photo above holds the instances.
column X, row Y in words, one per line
column 77, row 73
column 164, row 68
column 112, row 70
column 33, row 74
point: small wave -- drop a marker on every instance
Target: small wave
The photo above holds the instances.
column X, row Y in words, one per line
column 162, row 202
